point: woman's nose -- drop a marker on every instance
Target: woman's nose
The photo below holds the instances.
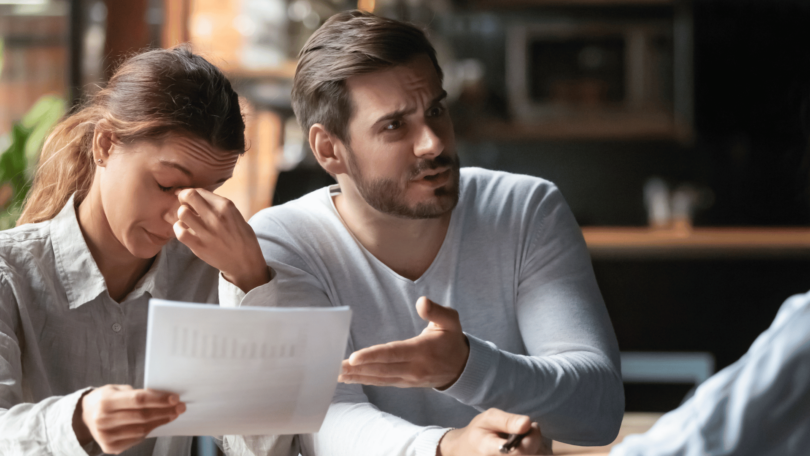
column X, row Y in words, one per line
column 170, row 214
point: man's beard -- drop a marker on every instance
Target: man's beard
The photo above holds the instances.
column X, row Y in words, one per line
column 386, row 196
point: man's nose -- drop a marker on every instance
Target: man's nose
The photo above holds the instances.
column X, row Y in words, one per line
column 429, row 144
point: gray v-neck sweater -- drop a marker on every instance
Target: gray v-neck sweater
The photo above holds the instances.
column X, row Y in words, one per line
column 515, row 266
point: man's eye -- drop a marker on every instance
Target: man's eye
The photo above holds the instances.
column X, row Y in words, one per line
column 393, row 125
column 436, row 112
column 164, row 189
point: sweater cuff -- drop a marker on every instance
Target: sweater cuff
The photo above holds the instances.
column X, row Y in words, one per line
column 427, row 442
column 478, row 374
column 59, row 425
column 232, row 296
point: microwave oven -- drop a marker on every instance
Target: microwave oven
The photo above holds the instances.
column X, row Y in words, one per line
column 600, row 78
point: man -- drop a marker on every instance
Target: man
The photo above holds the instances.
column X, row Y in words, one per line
column 494, row 264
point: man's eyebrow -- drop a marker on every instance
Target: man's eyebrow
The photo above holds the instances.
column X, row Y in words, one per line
column 441, row 97
column 172, row 164
column 395, row 115
column 404, row 112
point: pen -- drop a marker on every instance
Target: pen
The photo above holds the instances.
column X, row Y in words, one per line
column 512, row 442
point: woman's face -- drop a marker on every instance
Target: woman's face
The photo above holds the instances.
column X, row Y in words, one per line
column 139, row 184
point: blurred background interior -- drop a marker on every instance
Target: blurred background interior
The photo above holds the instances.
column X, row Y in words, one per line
column 677, row 130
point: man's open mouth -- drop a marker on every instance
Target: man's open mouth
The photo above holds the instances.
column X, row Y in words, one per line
column 434, row 175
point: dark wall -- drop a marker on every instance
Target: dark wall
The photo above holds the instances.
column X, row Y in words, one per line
column 752, row 81
column 602, row 181
column 752, row 124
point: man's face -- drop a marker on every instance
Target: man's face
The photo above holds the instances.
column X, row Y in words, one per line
column 402, row 157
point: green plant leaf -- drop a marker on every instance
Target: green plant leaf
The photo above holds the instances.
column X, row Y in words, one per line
column 18, row 161
column 43, row 116
column 13, row 161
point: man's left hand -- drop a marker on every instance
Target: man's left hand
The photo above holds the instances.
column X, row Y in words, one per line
column 433, row 359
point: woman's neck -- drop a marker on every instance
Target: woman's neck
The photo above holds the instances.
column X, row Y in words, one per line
column 121, row 270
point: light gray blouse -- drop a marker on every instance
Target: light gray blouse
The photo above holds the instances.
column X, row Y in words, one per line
column 61, row 333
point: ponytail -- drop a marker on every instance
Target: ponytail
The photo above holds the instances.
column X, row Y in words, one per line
column 65, row 167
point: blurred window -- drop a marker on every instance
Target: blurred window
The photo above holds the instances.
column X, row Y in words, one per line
column 33, row 55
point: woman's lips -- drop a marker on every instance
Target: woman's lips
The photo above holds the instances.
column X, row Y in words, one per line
column 157, row 239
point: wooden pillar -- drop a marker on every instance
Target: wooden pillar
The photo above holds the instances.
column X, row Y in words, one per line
column 127, row 31
column 254, row 178
column 175, row 22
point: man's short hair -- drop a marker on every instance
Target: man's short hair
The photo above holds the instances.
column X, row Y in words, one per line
column 350, row 43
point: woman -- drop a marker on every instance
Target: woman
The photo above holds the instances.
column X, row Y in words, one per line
column 118, row 180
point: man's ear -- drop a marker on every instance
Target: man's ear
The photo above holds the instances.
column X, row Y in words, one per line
column 329, row 151
column 103, row 142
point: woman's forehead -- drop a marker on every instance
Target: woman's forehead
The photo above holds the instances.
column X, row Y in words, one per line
column 196, row 158
column 199, row 153
column 200, row 150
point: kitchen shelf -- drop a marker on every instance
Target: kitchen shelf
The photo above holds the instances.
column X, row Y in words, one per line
column 713, row 243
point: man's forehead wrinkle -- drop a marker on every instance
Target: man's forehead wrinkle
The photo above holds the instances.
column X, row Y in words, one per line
column 382, row 102
column 401, row 90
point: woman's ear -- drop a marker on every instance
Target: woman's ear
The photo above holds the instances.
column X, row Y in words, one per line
column 328, row 150
column 103, row 142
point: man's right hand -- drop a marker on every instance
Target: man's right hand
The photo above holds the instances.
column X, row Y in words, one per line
column 118, row 416
column 487, row 432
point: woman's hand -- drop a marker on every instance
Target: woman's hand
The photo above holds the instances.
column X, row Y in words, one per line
column 118, row 416
column 216, row 232
column 487, row 432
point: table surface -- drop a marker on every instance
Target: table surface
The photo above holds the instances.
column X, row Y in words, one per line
column 633, row 423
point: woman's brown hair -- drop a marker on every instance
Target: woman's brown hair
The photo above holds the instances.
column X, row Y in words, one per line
column 151, row 95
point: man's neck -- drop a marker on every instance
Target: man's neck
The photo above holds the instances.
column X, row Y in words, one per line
column 121, row 270
column 406, row 246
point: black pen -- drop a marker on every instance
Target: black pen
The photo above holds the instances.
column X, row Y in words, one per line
column 513, row 441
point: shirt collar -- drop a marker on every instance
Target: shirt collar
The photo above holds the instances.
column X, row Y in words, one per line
column 78, row 271
column 155, row 280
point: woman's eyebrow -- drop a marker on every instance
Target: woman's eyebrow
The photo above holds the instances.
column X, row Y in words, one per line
column 172, row 164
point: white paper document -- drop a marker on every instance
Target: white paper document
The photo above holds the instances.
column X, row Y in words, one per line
column 248, row 370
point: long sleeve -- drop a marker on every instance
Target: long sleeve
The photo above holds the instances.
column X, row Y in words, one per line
column 514, row 265
column 569, row 380
column 352, row 426
column 45, row 427
column 758, row 406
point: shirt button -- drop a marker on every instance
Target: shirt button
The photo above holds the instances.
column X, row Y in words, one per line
column 116, row 327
